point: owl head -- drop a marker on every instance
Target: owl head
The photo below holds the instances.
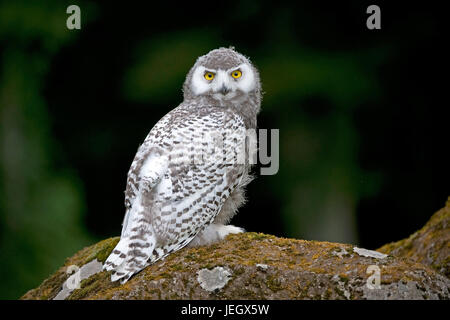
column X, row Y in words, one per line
column 223, row 75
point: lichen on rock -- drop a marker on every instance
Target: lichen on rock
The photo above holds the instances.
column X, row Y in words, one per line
column 369, row 253
column 214, row 279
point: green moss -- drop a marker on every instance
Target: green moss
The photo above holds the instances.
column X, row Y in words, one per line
column 247, row 294
column 185, row 281
column 238, row 271
column 273, row 283
column 92, row 284
column 191, row 293
column 155, row 291
column 339, row 292
column 177, row 267
column 166, row 275
column 208, row 266
column 327, row 294
column 245, row 246
column 191, row 257
column 343, row 278
column 174, row 296
column 102, row 250
column 257, row 236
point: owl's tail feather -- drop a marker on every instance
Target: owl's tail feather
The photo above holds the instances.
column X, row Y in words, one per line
column 129, row 257
column 117, row 256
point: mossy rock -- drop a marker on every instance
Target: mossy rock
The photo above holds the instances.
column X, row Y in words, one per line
column 430, row 245
column 259, row 266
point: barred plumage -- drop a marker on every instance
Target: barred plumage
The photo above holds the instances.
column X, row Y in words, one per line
column 185, row 182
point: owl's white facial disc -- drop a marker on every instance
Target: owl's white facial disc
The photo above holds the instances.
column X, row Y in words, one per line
column 246, row 82
column 223, row 79
column 199, row 84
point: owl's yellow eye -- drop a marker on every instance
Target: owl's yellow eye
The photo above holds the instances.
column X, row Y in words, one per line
column 209, row 75
column 236, row 74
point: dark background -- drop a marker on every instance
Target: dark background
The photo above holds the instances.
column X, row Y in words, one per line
column 363, row 132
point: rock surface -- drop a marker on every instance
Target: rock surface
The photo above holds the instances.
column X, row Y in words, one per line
column 259, row 266
column 430, row 245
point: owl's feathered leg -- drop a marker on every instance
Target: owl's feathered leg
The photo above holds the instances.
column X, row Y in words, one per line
column 213, row 233
column 219, row 229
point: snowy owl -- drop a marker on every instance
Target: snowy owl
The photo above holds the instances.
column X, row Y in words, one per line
column 185, row 184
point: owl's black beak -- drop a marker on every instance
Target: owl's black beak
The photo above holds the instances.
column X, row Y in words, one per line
column 224, row 90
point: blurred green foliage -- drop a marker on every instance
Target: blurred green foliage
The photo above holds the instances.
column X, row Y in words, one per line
column 41, row 205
